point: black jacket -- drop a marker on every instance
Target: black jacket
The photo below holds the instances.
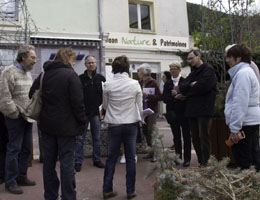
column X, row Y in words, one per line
column 93, row 93
column 63, row 112
column 171, row 103
column 201, row 96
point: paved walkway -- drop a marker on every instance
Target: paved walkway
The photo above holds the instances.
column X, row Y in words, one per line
column 89, row 180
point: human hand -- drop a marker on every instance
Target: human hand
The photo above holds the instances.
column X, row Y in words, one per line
column 101, row 116
column 233, row 137
column 193, row 83
column 174, row 92
column 180, row 97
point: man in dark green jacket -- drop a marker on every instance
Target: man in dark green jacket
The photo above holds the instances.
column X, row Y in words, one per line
column 200, row 90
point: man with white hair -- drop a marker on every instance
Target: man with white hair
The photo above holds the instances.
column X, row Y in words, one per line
column 15, row 83
column 151, row 98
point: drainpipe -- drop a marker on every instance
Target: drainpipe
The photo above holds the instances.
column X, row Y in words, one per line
column 101, row 48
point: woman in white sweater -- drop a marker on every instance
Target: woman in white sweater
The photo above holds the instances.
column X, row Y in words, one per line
column 122, row 100
column 242, row 109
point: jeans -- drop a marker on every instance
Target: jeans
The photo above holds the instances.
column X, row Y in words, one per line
column 3, row 143
column 95, row 127
column 246, row 152
column 181, row 127
column 18, row 149
column 200, row 133
column 126, row 134
column 62, row 148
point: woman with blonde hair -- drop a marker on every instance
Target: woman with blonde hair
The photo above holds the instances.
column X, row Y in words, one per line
column 62, row 118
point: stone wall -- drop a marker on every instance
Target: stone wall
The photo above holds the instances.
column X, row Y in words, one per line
column 140, row 147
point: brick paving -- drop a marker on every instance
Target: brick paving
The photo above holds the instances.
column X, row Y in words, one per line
column 89, row 180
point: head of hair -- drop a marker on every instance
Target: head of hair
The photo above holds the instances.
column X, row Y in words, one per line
column 89, row 56
column 195, row 52
column 175, row 64
column 167, row 75
column 240, row 51
column 120, row 64
column 23, row 52
column 145, row 68
column 228, row 47
column 64, row 55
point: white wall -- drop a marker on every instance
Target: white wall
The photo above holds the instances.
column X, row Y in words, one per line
column 170, row 17
column 78, row 17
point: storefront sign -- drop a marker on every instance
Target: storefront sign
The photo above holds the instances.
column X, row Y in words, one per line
column 121, row 40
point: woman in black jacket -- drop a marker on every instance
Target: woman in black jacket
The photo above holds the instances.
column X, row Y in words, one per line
column 179, row 125
column 62, row 118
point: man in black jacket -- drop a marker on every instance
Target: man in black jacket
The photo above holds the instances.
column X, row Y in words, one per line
column 92, row 89
column 200, row 90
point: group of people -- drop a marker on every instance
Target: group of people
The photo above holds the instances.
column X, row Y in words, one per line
column 71, row 102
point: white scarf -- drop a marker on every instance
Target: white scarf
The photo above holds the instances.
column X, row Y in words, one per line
column 176, row 80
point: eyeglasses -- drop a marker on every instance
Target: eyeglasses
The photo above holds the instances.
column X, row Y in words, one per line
column 90, row 63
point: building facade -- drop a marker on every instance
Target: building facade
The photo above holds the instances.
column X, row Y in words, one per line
column 146, row 31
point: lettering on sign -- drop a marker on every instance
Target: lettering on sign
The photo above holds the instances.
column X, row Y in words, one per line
column 169, row 43
column 156, row 41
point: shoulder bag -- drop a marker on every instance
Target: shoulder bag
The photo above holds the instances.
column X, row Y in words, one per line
column 34, row 108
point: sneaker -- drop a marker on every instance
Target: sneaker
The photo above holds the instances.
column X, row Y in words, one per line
column 25, row 182
column 122, row 160
column 77, row 167
column 107, row 195
column 99, row 164
column 131, row 196
column 14, row 189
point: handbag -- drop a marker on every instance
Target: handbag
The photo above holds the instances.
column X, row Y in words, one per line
column 33, row 110
column 170, row 116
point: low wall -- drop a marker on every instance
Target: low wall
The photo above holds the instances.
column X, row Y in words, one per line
column 140, row 147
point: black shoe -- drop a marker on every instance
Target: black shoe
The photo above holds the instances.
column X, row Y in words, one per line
column 107, row 195
column 131, row 196
column 177, row 162
column 172, row 147
column 99, row 164
column 25, row 182
column 2, row 180
column 153, row 159
column 148, row 156
column 14, row 189
column 77, row 167
column 186, row 164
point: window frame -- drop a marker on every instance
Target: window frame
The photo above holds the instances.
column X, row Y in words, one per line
column 15, row 14
column 139, row 20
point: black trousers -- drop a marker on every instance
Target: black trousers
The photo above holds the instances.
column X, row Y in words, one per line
column 200, row 133
column 246, row 152
column 181, row 127
column 63, row 148
column 3, row 142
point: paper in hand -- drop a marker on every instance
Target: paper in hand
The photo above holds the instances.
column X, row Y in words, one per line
column 146, row 112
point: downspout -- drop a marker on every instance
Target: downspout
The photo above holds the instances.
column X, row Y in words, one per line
column 101, row 47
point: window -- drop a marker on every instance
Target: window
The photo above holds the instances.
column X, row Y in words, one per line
column 9, row 9
column 140, row 17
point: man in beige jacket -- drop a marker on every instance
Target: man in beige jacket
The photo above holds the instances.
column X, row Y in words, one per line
column 15, row 83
